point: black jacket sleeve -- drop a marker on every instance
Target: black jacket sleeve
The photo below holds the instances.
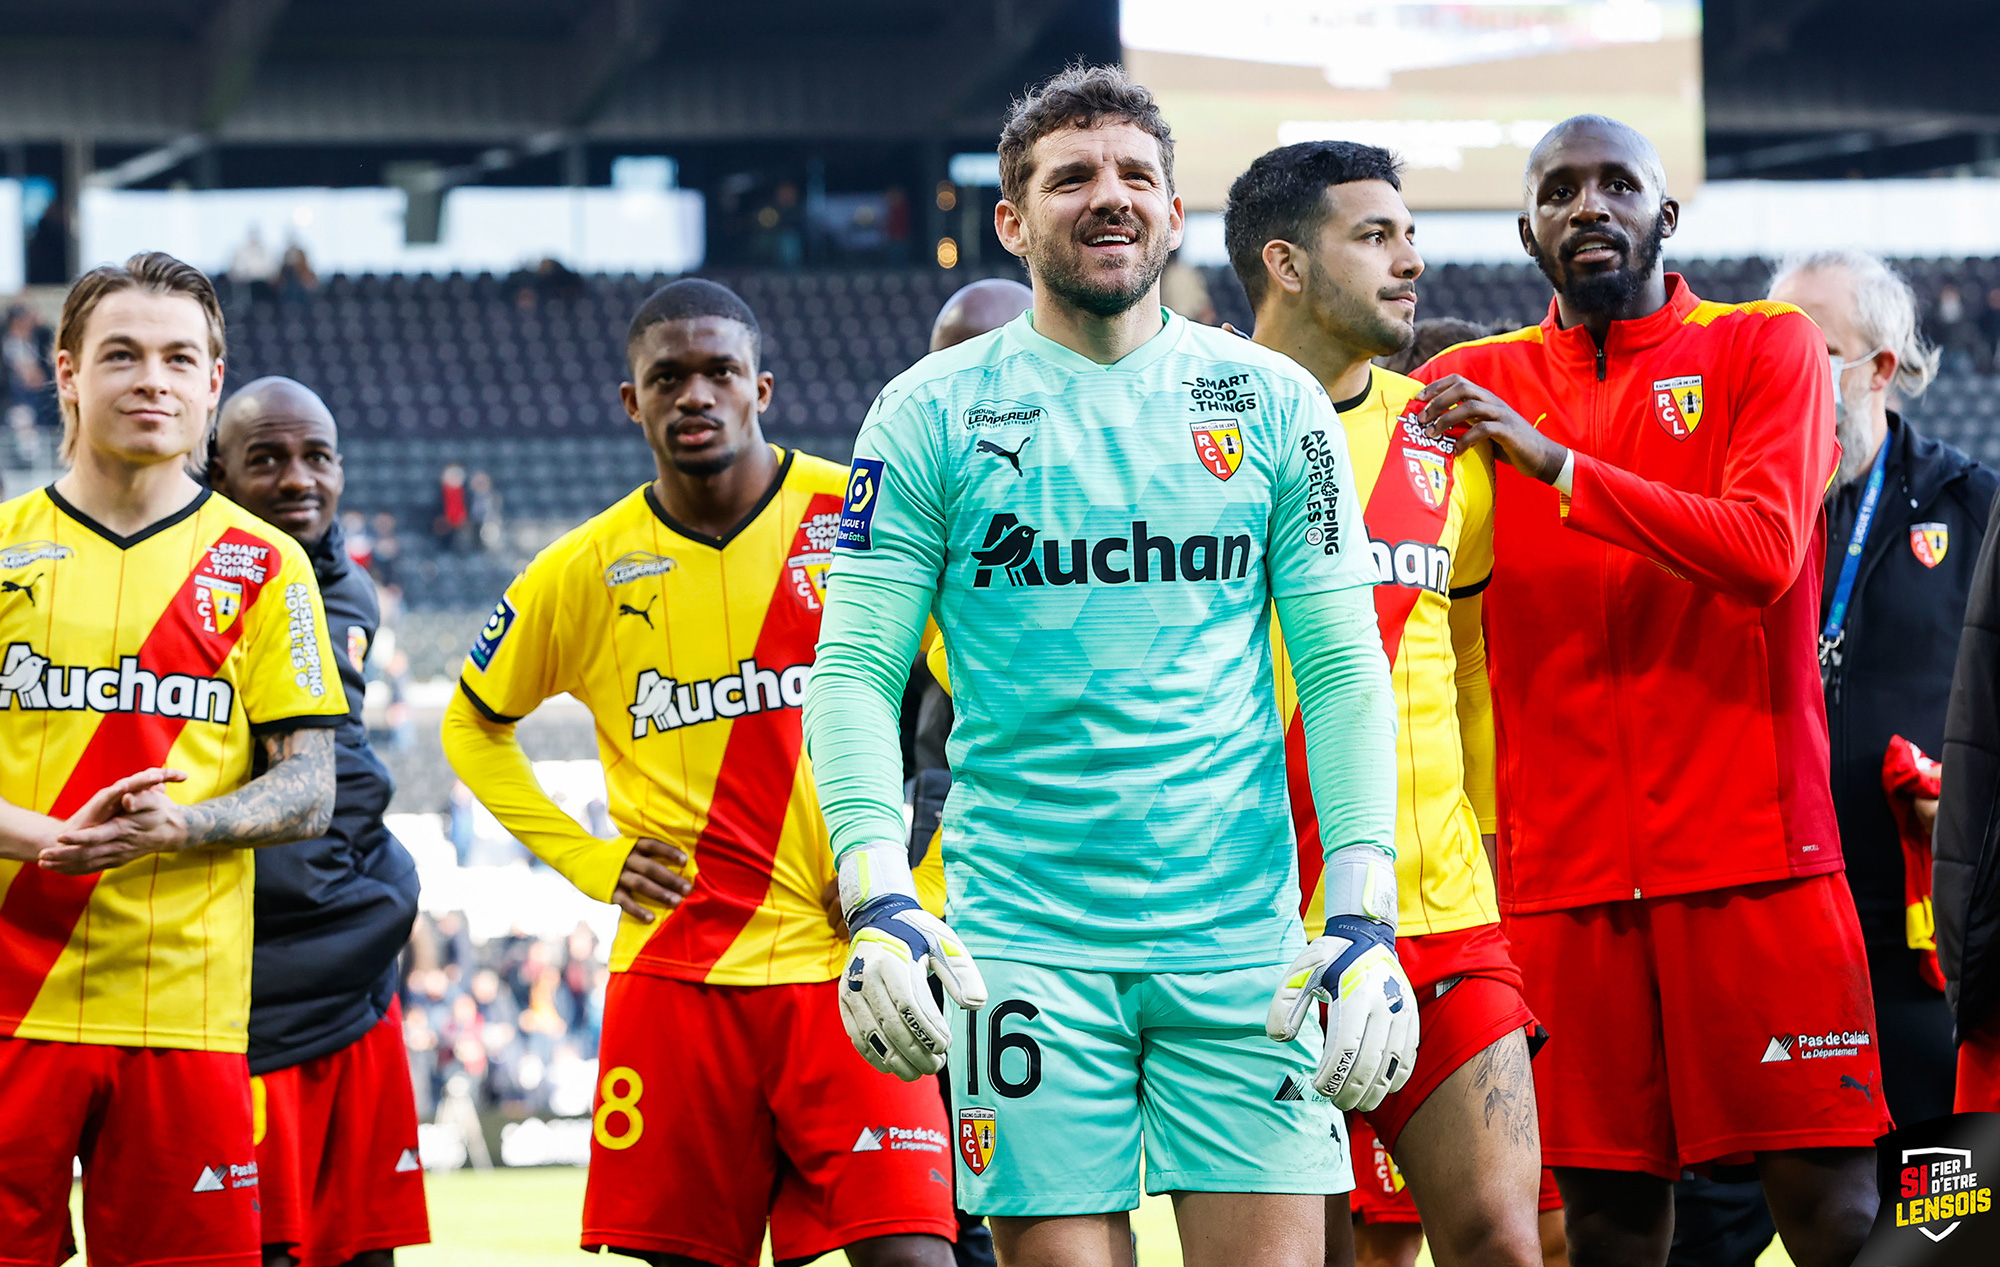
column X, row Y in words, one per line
column 1966, row 875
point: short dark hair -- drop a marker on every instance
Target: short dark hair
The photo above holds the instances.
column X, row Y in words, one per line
column 1079, row 96
column 1282, row 197
column 688, row 299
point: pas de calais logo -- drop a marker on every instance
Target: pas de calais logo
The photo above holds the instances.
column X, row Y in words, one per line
column 1218, row 442
column 1929, row 542
column 1937, row 1194
column 1009, row 548
column 1677, row 404
column 978, row 1136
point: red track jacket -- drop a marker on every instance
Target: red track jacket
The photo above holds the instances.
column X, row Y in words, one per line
column 1653, row 643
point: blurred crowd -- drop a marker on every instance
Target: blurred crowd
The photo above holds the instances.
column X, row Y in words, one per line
column 510, row 1026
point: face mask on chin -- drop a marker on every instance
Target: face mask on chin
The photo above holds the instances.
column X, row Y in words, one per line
column 1853, row 421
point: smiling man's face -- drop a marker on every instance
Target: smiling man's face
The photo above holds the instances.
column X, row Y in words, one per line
column 144, row 381
column 277, row 455
column 1097, row 219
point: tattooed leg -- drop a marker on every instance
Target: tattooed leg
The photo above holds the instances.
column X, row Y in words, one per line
column 1473, row 1156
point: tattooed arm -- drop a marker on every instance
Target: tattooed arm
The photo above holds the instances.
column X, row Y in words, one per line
column 291, row 800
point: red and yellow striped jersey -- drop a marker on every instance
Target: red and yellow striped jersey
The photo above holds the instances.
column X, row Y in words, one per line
column 1429, row 514
column 692, row 652
column 169, row 647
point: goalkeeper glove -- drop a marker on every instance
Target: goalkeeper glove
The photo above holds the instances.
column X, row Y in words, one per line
column 885, row 1003
column 1371, row 1019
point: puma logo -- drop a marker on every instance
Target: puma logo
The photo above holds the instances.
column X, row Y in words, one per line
column 1013, row 459
column 644, row 613
column 1848, row 1080
column 22, row 587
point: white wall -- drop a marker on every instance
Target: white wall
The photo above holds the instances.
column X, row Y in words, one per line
column 13, row 240
column 1938, row 219
column 487, row 229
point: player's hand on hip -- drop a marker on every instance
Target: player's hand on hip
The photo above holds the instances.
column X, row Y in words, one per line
column 651, row 878
column 1371, row 1012
column 145, row 821
column 1456, row 406
column 885, row 1002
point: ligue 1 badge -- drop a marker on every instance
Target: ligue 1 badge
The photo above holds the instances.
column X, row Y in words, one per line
column 1937, row 1181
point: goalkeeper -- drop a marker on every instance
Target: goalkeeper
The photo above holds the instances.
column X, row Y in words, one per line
column 1099, row 503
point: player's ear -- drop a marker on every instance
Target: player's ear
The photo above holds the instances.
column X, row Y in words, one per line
column 1527, row 234
column 628, row 394
column 766, row 383
column 1285, row 263
column 1670, row 216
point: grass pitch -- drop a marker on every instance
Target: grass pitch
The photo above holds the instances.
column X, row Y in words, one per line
column 530, row 1218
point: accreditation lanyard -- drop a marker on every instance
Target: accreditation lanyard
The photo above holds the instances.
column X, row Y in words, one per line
column 1843, row 590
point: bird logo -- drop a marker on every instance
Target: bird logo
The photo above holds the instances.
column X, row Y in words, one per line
column 644, row 613
column 1008, row 547
column 22, row 587
column 1013, row 459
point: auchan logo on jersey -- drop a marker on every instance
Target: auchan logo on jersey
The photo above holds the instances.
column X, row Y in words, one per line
column 28, row 681
column 665, row 703
column 1009, row 551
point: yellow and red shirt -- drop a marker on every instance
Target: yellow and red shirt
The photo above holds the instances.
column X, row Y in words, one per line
column 692, row 652
column 1429, row 514
column 169, row 647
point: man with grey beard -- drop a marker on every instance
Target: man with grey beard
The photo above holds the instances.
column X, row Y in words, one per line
column 1905, row 517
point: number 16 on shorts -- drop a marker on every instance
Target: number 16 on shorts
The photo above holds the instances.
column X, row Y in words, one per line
column 993, row 1059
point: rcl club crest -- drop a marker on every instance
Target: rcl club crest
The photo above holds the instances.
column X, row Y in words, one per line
column 1219, row 444
column 1428, row 476
column 811, row 556
column 1677, row 404
column 978, row 1131
column 1929, row 542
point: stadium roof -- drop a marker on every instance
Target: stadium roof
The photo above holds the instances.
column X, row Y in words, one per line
column 1841, row 87
column 484, row 71
column 1794, row 87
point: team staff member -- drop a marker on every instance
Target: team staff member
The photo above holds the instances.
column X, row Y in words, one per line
column 339, row 1179
column 1665, row 814
column 1889, row 623
column 685, row 617
column 146, row 622
column 1326, row 251
column 1967, row 872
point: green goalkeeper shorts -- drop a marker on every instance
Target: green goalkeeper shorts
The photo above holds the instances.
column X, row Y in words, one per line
column 1067, row 1079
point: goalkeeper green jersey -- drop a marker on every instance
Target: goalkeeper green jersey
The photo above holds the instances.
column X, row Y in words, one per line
column 1104, row 543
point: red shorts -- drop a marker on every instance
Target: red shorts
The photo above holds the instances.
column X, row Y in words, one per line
column 1978, row 1073
column 721, row 1108
column 1702, row 1028
column 169, row 1174
column 1468, row 998
column 337, row 1151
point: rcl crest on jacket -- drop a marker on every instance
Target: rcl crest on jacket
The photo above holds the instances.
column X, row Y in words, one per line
column 1929, row 542
column 1219, row 444
column 1677, row 404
